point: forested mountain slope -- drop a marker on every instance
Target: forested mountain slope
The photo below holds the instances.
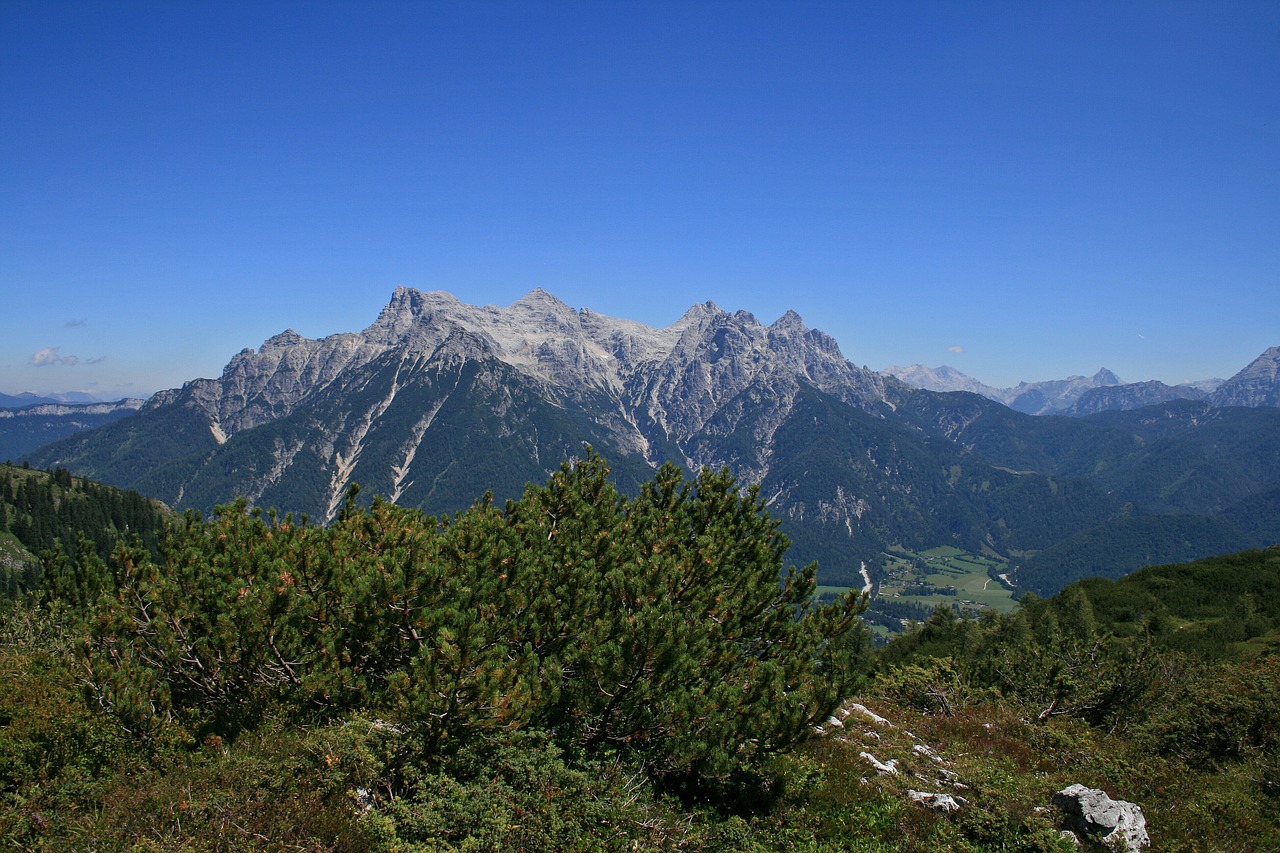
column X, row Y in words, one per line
column 47, row 513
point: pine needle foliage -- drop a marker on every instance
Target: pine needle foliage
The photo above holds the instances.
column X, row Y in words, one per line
column 663, row 627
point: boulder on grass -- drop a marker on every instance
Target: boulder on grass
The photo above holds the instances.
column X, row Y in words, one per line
column 1093, row 815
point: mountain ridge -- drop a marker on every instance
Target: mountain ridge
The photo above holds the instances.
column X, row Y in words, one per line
column 1078, row 396
column 436, row 402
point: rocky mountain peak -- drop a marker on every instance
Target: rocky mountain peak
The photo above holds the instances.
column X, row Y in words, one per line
column 789, row 321
column 287, row 338
column 550, row 315
column 710, row 370
column 414, row 314
column 1258, row 384
column 1265, row 366
column 944, row 378
column 1053, row 396
column 542, row 299
column 1125, row 397
column 700, row 314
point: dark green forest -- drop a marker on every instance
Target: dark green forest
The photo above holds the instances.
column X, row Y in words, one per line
column 55, row 515
column 579, row 669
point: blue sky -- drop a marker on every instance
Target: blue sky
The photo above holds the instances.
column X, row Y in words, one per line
column 1048, row 187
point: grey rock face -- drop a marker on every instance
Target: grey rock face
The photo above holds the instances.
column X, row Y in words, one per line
column 1055, row 395
column 1090, row 813
column 1049, row 397
column 944, row 378
column 1133, row 395
column 720, row 357
column 258, row 387
column 654, row 392
column 1254, row 386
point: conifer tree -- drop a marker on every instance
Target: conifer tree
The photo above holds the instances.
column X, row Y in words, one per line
column 663, row 626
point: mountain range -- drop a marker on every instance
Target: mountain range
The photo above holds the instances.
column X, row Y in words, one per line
column 437, row 402
column 26, row 398
column 26, row 427
column 1076, row 396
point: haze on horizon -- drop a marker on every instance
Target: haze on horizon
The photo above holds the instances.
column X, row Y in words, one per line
column 1020, row 191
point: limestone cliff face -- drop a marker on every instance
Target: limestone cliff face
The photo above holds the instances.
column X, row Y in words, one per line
column 1256, row 385
column 1132, row 395
column 678, row 393
column 260, row 386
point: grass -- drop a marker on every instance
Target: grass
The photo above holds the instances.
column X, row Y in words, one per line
column 945, row 575
column 944, row 568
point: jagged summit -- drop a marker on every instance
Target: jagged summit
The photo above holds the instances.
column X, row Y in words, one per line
column 1258, row 384
column 653, row 394
column 1035, row 398
column 542, row 336
column 691, row 367
column 437, row 401
column 540, row 297
column 287, row 338
column 789, row 320
column 699, row 313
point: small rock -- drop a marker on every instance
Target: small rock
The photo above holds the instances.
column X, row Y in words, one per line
column 869, row 714
column 938, row 802
column 888, row 768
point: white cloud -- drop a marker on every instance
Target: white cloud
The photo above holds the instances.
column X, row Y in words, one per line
column 956, row 349
column 49, row 356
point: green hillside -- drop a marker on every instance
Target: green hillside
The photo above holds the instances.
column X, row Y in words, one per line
column 23, row 431
column 45, row 512
column 1225, row 607
column 586, row 671
column 1127, row 543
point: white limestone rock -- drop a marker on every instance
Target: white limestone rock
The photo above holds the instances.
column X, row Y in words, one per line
column 937, row 802
column 1090, row 813
column 884, row 768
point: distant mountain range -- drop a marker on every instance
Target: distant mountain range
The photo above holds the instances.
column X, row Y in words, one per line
column 1077, row 396
column 24, row 429
column 26, row 398
column 437, row 402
